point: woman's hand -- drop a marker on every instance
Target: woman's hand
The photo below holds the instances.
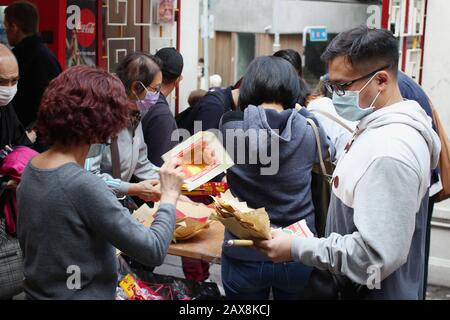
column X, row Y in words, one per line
column 279, row 248
column 32, row 136
column 11, row 185
column 172, row 177
column 148, row 190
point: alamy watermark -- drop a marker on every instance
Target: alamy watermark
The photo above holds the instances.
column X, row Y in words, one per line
column 374, row 280
column 74, row 279
column 246, row 147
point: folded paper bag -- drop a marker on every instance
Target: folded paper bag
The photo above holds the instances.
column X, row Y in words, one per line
column 239, row 219
column 191, row 218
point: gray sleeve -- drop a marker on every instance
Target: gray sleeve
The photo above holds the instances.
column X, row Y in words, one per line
column 106, row 216
column 145, row 170
column 385, row 207
column 94, row 166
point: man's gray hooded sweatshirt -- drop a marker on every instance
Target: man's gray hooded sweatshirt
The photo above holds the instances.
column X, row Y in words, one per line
column 274, row 153
column 378, row 212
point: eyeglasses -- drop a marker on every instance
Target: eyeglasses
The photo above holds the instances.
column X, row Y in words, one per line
column 153, row 89
column 340, row 88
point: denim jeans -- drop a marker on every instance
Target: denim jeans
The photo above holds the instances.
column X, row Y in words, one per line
column 253, row 280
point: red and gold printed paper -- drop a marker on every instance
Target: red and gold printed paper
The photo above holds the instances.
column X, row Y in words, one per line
column 203, row 158
column 300, row 229
column 208, row 189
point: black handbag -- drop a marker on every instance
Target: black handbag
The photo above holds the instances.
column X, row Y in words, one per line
column 324, row 285
column 320, row 184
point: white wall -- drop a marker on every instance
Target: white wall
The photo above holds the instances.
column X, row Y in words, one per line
column 436, row 66
column 436, row 82
column 254, row 15
column 190, row 10
column 337, row 17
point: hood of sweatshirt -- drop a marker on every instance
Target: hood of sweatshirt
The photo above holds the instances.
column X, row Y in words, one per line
column 410, row 113
column 287, row 128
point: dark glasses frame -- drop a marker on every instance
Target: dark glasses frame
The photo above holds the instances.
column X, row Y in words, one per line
column 340, row 88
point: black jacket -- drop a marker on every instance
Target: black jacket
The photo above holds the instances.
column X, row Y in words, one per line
column 209, row 110
column 37, row 67
column 158, row 124
column 11, row 131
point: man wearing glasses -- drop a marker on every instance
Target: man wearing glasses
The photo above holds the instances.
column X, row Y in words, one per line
column 375, row 234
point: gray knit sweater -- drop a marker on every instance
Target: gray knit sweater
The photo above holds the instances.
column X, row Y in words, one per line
column 70, row 220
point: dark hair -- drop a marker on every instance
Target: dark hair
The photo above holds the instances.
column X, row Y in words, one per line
column 25, row 15
column 172, row 64
column 363, row 47
column 82, row 105
column 269, row 80
column 195, row 96
column 294, row 58
column 169, row 77
column 138, row 66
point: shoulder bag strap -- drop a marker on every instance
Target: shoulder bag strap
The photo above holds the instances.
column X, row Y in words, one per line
column 333, row 118
column 115, row 159
column 319, row 144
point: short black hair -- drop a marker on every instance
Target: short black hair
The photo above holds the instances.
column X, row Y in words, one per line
column 25, row 15
column 294, row 58
column 363, row 47
column 269, row 80
column 172, row 64
column 138, row 66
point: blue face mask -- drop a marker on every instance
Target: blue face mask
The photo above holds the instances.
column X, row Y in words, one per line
column 347, row 105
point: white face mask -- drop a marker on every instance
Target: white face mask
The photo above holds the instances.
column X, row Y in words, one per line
column 7, row 94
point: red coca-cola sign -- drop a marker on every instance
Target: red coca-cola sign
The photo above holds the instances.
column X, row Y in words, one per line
column 86, row 29
column 81, row 34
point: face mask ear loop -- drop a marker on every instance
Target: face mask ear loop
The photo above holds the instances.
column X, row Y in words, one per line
column 143, row 87
column 373, row 102
column 367, row 83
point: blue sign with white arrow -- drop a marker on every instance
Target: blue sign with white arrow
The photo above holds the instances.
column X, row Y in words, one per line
column 318, row 34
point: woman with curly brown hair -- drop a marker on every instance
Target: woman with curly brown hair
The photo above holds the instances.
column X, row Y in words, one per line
column 69, row 220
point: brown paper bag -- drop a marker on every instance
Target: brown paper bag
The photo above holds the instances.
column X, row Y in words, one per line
column 240, row 220
column 192, row 218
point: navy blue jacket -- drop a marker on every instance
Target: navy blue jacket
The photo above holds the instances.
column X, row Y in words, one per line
column 158, row 124
column 210, row 109
column 410, row 90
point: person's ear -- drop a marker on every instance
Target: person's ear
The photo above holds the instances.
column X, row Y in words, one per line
column 134, row 89
column 382, row 79
column 177, row 82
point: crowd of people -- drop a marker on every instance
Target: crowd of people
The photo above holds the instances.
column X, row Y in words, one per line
column 100, row 138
